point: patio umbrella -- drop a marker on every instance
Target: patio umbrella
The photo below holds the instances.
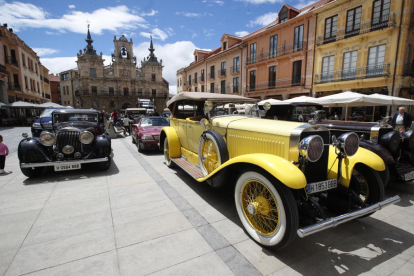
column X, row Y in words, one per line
column 303, row 99
column 50, row 104
column 21, row 104
column 393, row 100
column 270, row 101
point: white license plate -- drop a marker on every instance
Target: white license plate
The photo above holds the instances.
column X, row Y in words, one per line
column 67, row 167
column 321, row 186
column 409, row 176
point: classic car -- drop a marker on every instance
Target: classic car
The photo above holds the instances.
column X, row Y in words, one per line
column 396, row 150
column 77, row 137
column 289, row 178
column 146, row 133
column 44, row 121
column 135, row 113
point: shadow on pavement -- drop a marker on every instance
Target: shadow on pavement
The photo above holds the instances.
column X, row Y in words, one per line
column 353, row 248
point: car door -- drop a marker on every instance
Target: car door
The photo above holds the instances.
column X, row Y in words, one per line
column 194, row 131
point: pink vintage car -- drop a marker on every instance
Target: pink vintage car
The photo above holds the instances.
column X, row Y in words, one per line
column 146, row 133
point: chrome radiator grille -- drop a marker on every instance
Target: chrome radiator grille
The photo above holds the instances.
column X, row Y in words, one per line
column 70, row 138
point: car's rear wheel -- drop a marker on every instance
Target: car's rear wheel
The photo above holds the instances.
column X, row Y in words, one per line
column 167, row 158
column 32, row 172
column 385, row 175
column 212, row 151
column 267, row 209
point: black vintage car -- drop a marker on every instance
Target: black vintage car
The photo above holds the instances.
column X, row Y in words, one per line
column 397, row 150
column 77, row 137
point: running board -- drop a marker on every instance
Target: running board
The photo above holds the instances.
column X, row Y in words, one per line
column 189, row 167
column 332, row 222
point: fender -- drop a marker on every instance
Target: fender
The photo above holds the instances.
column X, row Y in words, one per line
column 31, row 144
column 280, row 168
column 379, row 150
column 173, row 142
column 101, row 148
column 369, row 159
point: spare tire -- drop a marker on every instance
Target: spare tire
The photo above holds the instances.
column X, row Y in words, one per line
column 212, row 151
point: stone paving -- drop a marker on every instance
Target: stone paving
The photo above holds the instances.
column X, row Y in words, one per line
column 143, row 218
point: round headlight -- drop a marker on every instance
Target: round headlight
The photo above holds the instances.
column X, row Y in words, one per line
column 349, row 143
column 47, row 139
column 267, row 106
column 311, row 147
column 390, row 141
column 86, row 137
column 68, row 149
column 208, row 106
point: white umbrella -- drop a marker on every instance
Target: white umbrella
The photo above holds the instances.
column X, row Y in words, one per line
column 270, row 101
column 50, row 104
column 351, row 99
column 393, row 100
column 303, row 99
column 20, row 104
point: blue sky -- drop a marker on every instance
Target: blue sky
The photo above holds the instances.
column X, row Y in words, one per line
column 57, row 29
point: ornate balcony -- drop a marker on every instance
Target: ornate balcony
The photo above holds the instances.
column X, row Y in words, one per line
column 201, row 79
column 281, row 51
column 144, row 95
column 14, row 86
column 234, row 70
column 280, row 83
column 12, row 61
column 409, row 70
column 375, row 71
column 195, row 81
column 211, row 75
column 222, row 73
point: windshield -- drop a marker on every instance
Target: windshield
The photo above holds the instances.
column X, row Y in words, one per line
column 220, row 109
column 75, row 118
column 154, row 122
column 47, row 113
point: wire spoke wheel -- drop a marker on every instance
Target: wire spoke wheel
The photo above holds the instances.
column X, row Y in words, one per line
column 210, row 156
column 260, row 207
column 361, row 186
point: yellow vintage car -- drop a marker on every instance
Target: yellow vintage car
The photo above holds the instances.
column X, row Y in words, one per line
column 289, row 178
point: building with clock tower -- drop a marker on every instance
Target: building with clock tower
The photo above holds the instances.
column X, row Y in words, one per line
column 116, row 86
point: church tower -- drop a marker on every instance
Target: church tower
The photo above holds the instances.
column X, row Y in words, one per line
column 123, row 58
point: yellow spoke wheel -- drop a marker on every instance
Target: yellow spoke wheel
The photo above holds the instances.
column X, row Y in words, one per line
column 260, row 207
column 210, row 157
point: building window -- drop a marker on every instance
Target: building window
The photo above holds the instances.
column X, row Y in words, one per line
column 353, row 22
column 224, row 46
column 223, row 69
column 297, row 73
column 212, row 87
column 152, row 77
column 202, row 88
column 126, row 91
column 154, row 93
column 58, row 88
column 376, row 58
column 195, row 77
column 236, row 65
column 273, row 46
column 298, row 39
column 380, row 14
column 195, row 89
column 65, row 76
column 236, row 85
column 272, row 77
column 202, row 75
column 139, row 91
column 178, row 82
column 349, row 65
column 67, row 90
column 111, row 104
column 24, row 60
column 212, row 68
column 36, row 68
column 327, row 68
column 283, row 15
column 25, row 83
column 94, row 90
column 252, row 80
column 330, row 28
column 111, row 91
column 253, row 52
column 189, row 79
column 223, row 87
column 93, row 72
column 38, row 87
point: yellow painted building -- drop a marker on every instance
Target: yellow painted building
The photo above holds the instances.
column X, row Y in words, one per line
column 364, row 46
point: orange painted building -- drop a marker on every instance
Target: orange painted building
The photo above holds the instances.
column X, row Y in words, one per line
column 279, row 57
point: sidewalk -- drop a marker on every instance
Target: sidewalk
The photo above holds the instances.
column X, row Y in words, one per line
column 140, row 218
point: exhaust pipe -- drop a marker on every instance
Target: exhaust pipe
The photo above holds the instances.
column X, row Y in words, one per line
column 333, row 222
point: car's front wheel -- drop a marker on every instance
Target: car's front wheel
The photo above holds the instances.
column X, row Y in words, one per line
column 267, row 209
column 212, row 151
column 167, row 158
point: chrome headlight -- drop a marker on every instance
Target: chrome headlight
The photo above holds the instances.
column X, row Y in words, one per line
column 47, row 139
column 311, row 147
column 147, row 137
column 348, row 143
column 86, row 137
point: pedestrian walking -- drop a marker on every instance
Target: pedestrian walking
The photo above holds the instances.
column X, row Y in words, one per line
column 401, row 120
column 114, row 117
column 4, row 151
column 127, row 124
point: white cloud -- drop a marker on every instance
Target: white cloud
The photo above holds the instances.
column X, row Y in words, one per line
column 71, row 6
column 263, row 20
column 256, row 2
column 151, row 13
column 208, row 32
column 158, row 33
column 45, row 51
column 23, row 15
column 241, row 33
column 188, row 14
column 174, row 56
column 218, row 2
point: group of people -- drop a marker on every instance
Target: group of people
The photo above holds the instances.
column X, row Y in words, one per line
column 117, row 121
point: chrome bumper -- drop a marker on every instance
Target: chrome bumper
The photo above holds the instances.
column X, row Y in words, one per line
column 332, row 222
column 47, row 164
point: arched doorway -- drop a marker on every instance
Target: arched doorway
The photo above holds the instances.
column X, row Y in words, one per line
column 126, row 105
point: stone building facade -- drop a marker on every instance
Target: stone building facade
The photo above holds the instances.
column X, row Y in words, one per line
column 115, row 86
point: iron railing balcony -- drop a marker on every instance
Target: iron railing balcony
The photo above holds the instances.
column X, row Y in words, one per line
column 211, row 75
column 195, row 81
column 14, row 86
column 201, row 79
column 409, row 70
column 234, row 69
column 46, row 80
column 12, row 61
column 235, row 89
column 281, row 51
column 352, row 30
column 382, row 22
column 3, row 69
column 373, row 71
column 279, row 83
column 145, row 95
column 222, row 73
